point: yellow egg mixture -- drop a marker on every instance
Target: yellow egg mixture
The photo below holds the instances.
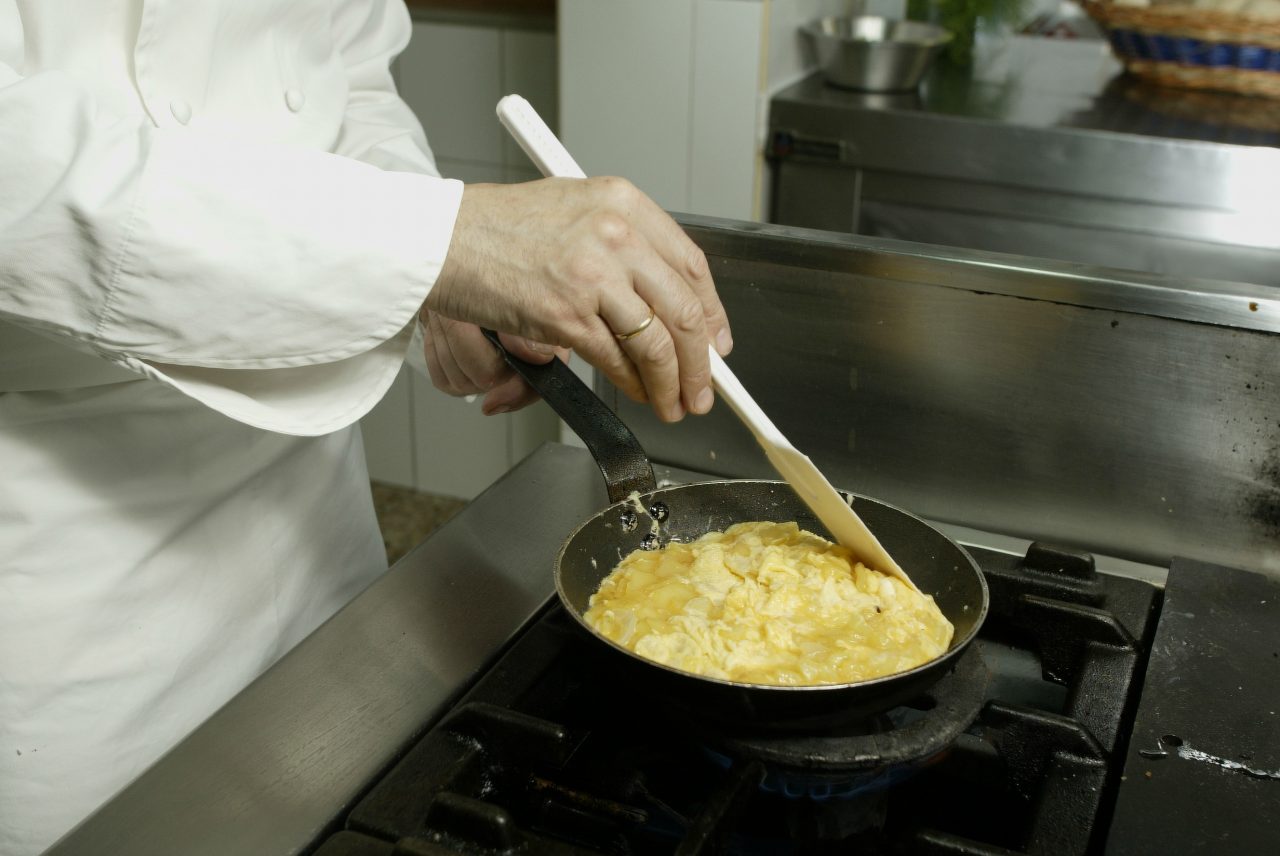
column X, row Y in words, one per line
column 767, row 603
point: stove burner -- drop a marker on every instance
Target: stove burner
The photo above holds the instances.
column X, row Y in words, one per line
column 869, row 755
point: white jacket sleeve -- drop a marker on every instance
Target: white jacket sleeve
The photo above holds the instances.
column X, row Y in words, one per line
column 380, row 128
column 274, row 283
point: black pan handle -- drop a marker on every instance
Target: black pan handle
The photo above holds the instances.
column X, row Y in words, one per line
column 622, row 460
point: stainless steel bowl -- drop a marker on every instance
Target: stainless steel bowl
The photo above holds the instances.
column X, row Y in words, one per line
column 875, row 54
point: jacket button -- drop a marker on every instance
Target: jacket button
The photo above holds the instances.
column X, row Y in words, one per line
column 181, row 110
column 295, row 99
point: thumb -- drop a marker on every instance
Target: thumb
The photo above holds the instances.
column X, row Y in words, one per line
column 527, row 349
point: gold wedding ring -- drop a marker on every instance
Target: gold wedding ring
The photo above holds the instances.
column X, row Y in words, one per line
column 644, row 325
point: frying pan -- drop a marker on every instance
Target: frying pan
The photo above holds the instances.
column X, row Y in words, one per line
column 640, row 510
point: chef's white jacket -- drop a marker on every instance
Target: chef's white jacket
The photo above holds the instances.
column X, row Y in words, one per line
column 217, row 221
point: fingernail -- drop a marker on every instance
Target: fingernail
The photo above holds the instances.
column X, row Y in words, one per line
column 539, row 347
column 703, row 403
column 494, row 411
column 724, row 342
column 675, row 413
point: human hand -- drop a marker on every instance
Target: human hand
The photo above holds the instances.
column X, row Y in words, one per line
column 462, row 362
column 583, row 264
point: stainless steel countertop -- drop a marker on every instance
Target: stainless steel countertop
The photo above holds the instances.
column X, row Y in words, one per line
column 1057, row 118
column 1047, row 83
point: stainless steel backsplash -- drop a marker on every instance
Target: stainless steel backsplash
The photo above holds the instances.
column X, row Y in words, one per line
column 1127, row 414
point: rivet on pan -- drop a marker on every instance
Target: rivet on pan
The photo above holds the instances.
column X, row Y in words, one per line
column 658, row 511
column 629, row 521
column 650, row 542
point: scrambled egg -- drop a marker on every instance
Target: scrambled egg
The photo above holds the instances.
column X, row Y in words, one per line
column 767, row 603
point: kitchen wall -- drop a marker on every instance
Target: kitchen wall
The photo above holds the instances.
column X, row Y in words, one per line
column 452, row 74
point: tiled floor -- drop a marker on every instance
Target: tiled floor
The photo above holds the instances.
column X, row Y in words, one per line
column 408, row 516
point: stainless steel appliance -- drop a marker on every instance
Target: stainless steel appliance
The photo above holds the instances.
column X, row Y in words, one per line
column 1122, row 697
column 1043, row 150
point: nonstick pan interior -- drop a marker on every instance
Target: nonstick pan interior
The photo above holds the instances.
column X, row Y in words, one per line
column 938, row 565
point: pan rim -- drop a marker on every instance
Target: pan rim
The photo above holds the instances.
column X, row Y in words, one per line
column 954, row 650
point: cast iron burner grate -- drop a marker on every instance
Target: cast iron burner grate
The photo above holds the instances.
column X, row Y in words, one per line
column 1018, row 750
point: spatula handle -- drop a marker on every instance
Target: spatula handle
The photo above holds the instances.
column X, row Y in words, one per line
column 538, row 141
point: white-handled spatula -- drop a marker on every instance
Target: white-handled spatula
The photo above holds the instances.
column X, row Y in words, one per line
column 545, row 149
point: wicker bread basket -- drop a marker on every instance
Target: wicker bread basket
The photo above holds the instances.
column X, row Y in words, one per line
column 1174, row 43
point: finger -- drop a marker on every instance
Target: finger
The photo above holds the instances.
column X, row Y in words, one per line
column 479, row 363
column 698, row 274
column 456, row 382
column 431, row 338
column 681, row 313
column 526, row 349
column 508, row 396
column 684, row 257
column 596, row 344
column 513, row 393
column 650, row 350
column 438, row 379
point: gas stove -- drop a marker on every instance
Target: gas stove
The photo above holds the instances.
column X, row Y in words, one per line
column 453, row 708
column 1019, row 749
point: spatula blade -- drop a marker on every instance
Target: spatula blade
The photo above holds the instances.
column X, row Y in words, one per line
column 844, row 524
